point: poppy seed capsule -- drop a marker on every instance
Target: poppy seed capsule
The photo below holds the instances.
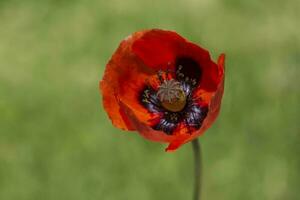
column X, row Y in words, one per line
column 171, row 95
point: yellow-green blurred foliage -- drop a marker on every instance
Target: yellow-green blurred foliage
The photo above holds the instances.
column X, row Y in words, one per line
column 56, row 142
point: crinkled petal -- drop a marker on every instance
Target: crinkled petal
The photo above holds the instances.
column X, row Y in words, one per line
column 213, row 111
column 124, row 78
column 145, row 130
column 158, row 48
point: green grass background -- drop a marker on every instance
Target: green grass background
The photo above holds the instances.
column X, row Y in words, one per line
column 56, row 142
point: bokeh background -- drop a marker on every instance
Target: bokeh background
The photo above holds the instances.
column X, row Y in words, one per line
column 56, row 142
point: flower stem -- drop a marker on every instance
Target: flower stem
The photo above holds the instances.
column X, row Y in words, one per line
column 197, row 168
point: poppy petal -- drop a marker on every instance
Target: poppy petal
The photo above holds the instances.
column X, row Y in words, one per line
column 215, row 103
column 157, row 48
column 124, row 77
column 111, row 105
column 175, row 144
column 209, row 80
column 214, row 109
column 146, row 131
column 160, row 49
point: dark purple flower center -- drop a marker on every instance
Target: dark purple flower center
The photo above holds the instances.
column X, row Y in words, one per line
column 173, row 101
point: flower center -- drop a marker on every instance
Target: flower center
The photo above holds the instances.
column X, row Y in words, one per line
column 171, row 95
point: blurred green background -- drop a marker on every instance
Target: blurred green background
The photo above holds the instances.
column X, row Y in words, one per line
column 57, row 143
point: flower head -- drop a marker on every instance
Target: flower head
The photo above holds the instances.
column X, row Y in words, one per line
column 163, row 86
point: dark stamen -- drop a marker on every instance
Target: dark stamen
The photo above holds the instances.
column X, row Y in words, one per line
column 186, row 76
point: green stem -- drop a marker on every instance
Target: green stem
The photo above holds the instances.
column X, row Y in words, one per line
column 197, row 168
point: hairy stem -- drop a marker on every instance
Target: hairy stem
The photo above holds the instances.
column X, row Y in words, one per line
column 197, row 169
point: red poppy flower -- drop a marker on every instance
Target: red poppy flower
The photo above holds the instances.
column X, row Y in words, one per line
column 163, row 86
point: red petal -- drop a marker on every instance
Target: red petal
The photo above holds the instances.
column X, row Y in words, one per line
column 214, row 108
column 123, row 79
column 144, row 129
column 175, row 144
column 112, row 107
column 158, row 48
column 215, row 102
